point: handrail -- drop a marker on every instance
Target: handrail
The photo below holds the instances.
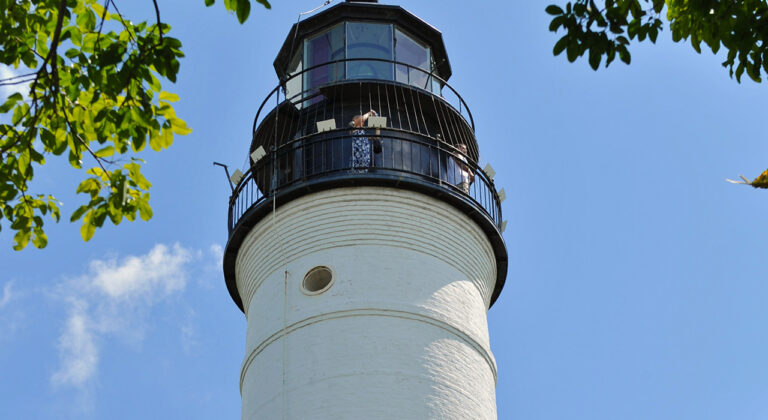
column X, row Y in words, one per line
column 429, row 74
column 328, row 155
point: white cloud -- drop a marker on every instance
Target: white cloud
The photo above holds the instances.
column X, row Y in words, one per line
column 188, row 338
column 160, row 272
column 12, row 314
column 7, row 72
column 7, row 294
column 113, row 299
column 217, row 251
column 79, row 354
column 212, row 269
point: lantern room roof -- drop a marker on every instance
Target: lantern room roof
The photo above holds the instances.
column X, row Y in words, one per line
column 364, row 11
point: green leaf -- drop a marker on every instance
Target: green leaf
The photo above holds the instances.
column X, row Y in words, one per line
column 21, row 239
column 554, row 10
column 560, row 45
column 11, row 102
column 161, row 140
column 39, row 240
column 209, row 3
column 7, row 192
column 115, row 213
column 556, row 23
column 86, row 21
column 99, row 9
column 145, row 211
column 624, row 55
column 79, row 213
column 74, row 160
column 716, row 47
column 105, row 152
column 154, row 83
column 138, row 143
column 90, row 185
column 23, row 162
column 134, row 173
column 18, row 114
column 243, row 10
column 572, row 51
column 55, row 212
column 88, row 228
column 180, row 127
column 167, row 96
column 594, row 58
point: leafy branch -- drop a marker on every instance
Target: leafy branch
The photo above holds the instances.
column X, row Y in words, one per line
column 101, row 96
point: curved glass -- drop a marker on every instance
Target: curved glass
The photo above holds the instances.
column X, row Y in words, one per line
column 410, row 51
column 369, row 40
column 328, row 46
column 361, row 40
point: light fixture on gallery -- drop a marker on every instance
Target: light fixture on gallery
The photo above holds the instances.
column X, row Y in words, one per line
column 236, row 177
column 258, row 154
column 489, row 171
column 326, row 125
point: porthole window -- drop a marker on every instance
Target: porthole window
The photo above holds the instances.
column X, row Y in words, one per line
column 317, row 280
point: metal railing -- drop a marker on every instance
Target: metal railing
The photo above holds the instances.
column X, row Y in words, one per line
column 393, row 154
column 448, row 109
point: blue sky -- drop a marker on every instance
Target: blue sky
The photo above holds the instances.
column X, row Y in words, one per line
column 637, row 286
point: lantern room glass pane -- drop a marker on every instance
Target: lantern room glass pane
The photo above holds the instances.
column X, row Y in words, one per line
column 369, row 40
column 409, row 51
column 293, row 85
column 323, row 48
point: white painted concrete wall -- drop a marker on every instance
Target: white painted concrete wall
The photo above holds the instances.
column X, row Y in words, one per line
column 401, row 333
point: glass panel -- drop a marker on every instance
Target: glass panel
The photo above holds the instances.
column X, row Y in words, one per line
column 293, row 86
column 328, row 46
column 408, row 51
column 369, row 40
column 436, row 88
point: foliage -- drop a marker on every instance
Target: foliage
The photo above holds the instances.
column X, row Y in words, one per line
column 606, row 28
column 761, row 181
column 242, row 8
column 94, row 95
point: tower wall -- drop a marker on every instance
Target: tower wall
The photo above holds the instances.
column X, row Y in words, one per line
column 402, row 331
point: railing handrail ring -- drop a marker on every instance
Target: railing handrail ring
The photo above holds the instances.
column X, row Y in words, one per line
column 283, row 83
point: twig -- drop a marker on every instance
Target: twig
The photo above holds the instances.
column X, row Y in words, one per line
column 125, row 25
column 84, row 143
column 101, row 24
column 159, row 28
column 34, row 73
column 17, row 82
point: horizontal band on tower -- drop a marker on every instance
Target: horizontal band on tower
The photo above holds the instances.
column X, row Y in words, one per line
column 479, row 348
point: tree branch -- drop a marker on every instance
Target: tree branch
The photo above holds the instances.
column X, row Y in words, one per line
column 73, row 129
column 125, row 25
column 101, row 24
column 8, row 79
column 159, row 28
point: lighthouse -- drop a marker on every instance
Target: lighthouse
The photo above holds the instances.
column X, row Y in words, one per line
column 365, row 243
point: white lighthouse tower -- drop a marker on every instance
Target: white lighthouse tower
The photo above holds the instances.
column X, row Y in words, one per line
column 365, row 243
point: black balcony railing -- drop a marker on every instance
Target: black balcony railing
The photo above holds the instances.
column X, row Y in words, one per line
column 411, row 98
column 396, row 158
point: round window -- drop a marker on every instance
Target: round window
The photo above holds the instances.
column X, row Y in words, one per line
column 317, row 280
